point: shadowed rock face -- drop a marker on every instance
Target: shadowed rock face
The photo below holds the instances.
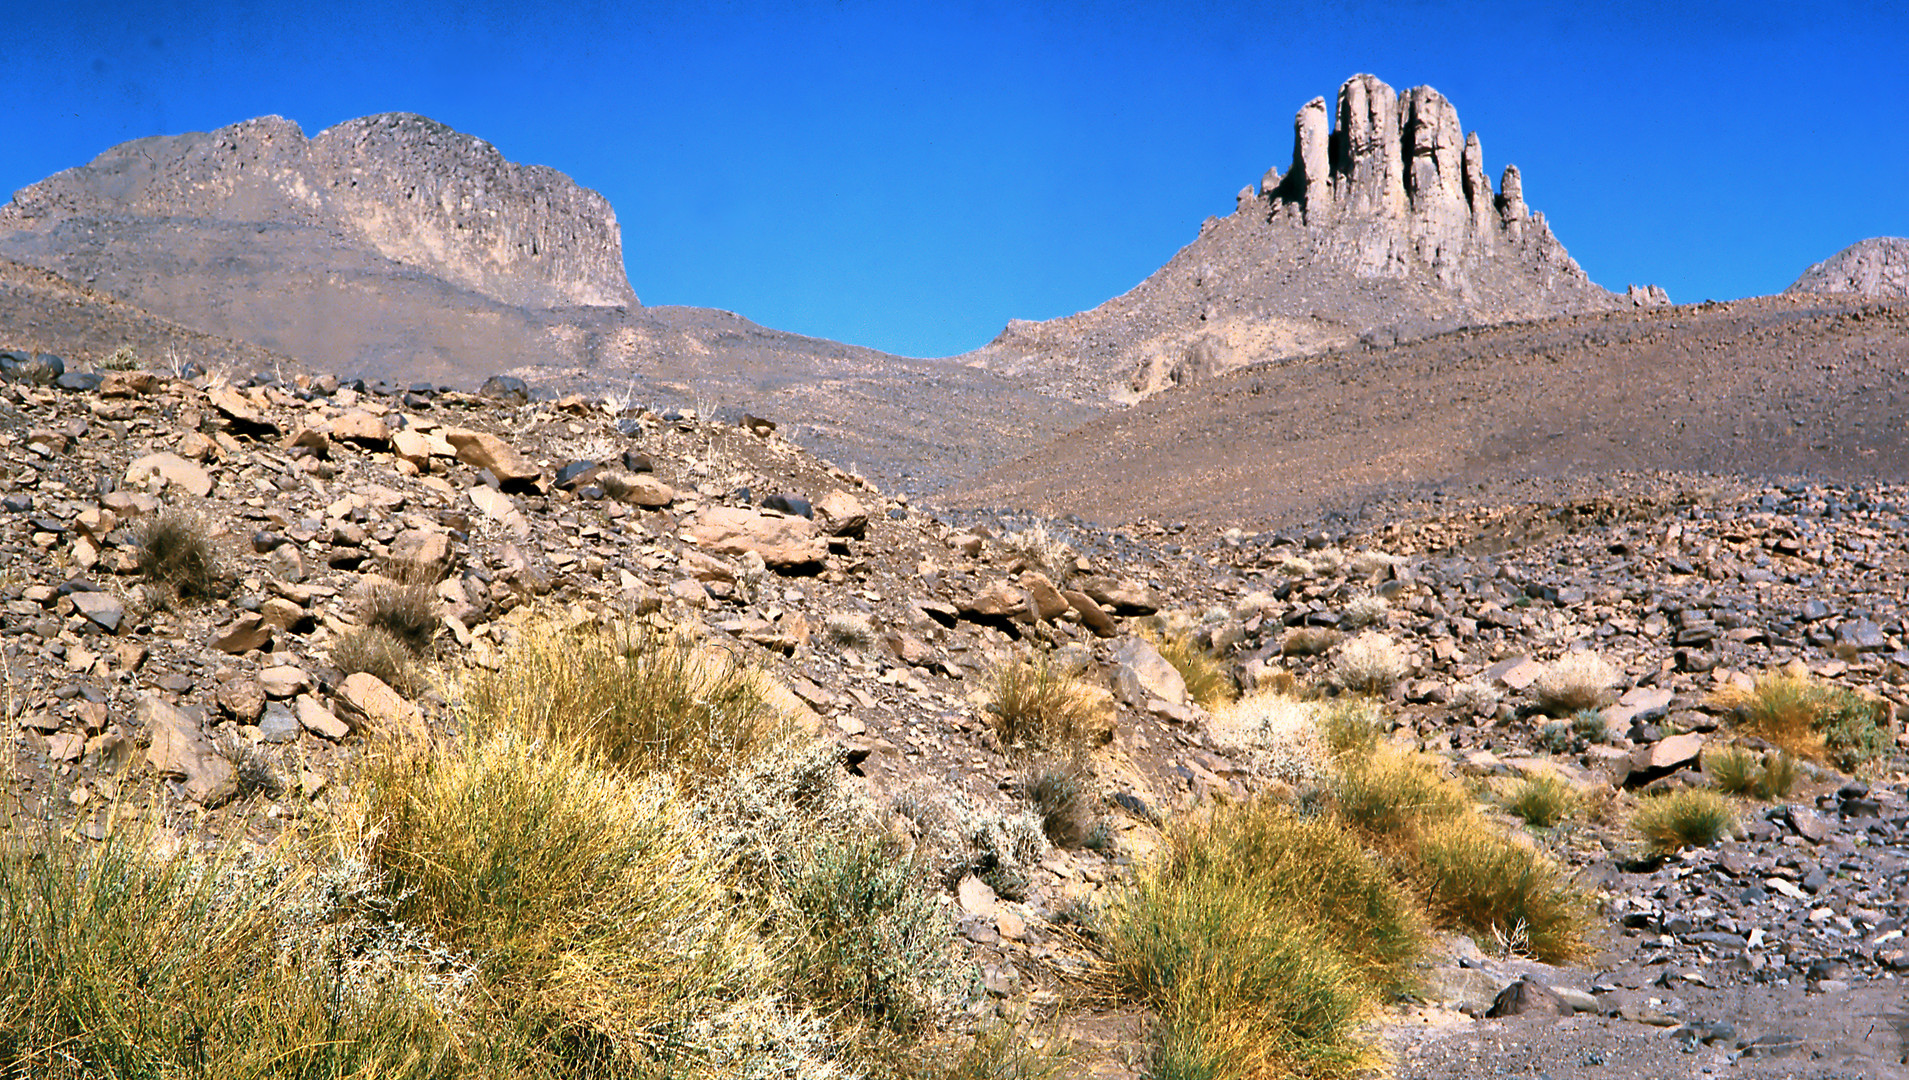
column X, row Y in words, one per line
column 1385, row 223
column 1876, row 267
column 395, row 189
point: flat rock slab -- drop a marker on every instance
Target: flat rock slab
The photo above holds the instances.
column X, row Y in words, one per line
column 785, row 543
column 181, row 751
column 173, row 470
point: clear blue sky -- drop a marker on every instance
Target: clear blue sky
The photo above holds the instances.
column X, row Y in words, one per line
column 910, row 176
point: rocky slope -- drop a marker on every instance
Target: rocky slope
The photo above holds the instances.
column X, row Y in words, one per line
column 1776, row 954
column 1800, row 384
column 1876, row 267
column 1385, row 226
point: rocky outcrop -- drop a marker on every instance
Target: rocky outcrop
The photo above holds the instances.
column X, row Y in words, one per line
column 1876, row 267
column 1385, row 227
column 402, row 187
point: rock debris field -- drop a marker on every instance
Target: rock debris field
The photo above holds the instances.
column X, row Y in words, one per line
column 1777, row 951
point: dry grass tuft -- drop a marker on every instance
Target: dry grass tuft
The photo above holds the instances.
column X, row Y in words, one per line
column 1574, row 682
column 1278, row 731
column 643, row 699
column 1371, row 664
column 1737, row 770
column 1811, row 719
column 176, row 556
column 1042, row 704
column 375, row 651
column 1690, row 817
column 1265, row 940
column 1542, row 799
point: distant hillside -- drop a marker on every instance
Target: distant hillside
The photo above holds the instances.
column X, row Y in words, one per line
column 1876, row 267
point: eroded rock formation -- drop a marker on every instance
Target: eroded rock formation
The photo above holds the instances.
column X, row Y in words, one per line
column 1385, row 227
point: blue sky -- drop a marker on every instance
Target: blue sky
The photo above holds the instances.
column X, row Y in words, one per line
column 911, row 176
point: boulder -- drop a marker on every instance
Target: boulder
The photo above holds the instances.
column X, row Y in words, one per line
column 1092, row 615
column 785, row 543
column 637, row 489
column 482, row 450
column 500, row 508
column 506, row 388
column 840, row 514
column 1000, row 600
column 172, row 470
column 362, row 428
column 369, row 705
column 179, row 750
column 103, row 609
column 1142, row 675
column 1043, row 599
column 284, row 681
column 317, row 719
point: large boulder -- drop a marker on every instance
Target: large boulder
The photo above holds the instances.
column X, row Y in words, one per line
column 1142, row 675
column 370, row 706
column 482, row 450
column 179, row 750
column 785, row 543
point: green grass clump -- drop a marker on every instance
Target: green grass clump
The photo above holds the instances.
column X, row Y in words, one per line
column 1207, row 680
column 1496, row 885
column 583, row 899
column 1471, row 874
column 642, row 699
column 1041, row 704
column 176, row 556
column 1541, row 799
column 1689, row 817
column 1265, row 940
column 1812, row 719
column 120, row 959
column 1737, row 770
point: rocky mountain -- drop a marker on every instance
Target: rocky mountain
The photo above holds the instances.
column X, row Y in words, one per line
column 1876, row 267
column 392, row 247
column 1384, row 226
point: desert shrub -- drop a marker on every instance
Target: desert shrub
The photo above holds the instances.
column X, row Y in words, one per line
column 119, row 959
column 176, row 556
column 643, row 699
column 1590, row 725
column 405, row 610
column 1475, row 696
column 1308, row 640
column 1371, row 663
column 586, row 904
column 845, row 630
column 1737, row 770
column 1043, row 550
column 1040, row 703
column 1279, row 732
column 123, row 359
column 1264, row 940
column 1555, row 737
column 861, row 930
column 1206, row 676
column 1689, row 817
column 375, row 651
column 1542, row 799
column 1811, row 719
column 1063, row 793
column 1493, row 884
column 1000, row 849
column 1573, row 682
column 1363, row 611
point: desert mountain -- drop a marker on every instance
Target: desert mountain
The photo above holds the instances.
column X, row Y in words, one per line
column 1386, row 226
column 392, row 247
column 1876, row 267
